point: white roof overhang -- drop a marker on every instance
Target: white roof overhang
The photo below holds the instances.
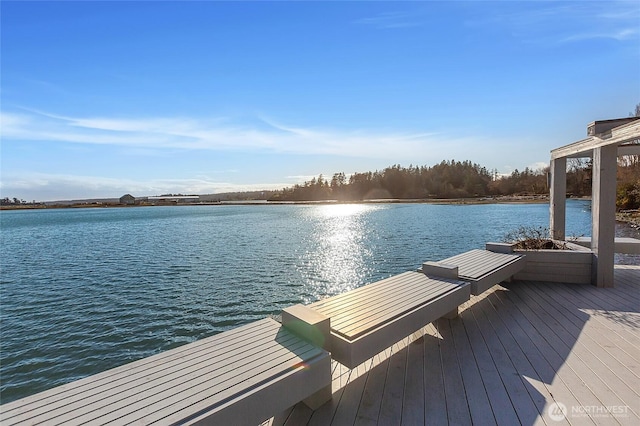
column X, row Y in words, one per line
column 627, row 137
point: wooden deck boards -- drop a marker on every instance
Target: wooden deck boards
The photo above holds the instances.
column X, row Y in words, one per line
column 513, row 352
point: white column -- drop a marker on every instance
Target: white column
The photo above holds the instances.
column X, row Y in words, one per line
column 603, row 213
column 558, row 197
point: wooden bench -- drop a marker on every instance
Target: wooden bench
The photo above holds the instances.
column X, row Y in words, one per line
column 243, row 376
column 358, row 324
column 482, row 268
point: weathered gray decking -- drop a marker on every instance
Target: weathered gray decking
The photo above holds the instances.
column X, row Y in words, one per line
column 512, row 353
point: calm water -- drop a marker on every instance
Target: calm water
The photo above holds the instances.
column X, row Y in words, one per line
column 84, row 290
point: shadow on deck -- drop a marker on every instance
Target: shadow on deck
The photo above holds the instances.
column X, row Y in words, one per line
column 519, row 353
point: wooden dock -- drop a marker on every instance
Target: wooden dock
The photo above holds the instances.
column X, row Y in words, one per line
column 517, row 354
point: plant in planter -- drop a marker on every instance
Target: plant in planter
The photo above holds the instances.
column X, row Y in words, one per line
column 547, row 259
column 530, row 238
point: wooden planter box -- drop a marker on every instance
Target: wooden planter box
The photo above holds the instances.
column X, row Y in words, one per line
column 562, row 266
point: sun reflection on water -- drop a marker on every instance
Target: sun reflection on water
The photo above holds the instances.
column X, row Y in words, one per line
column 339, row 257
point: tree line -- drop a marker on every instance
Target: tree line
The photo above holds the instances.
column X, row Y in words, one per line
column 458, row 179
column 628, row 191
column 455, row 179
column 6, row 201
column 448, row 179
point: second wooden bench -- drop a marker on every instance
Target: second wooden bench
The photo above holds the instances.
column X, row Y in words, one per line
column 358, row 324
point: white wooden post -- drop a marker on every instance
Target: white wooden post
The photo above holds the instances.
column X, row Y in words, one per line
column 603, row 213
column 558, row 197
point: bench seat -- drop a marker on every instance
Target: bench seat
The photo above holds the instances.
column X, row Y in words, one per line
column 365, row 321
column 482, row 268
column 242, row 376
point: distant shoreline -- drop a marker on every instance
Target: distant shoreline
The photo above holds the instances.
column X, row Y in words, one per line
column 516, row 199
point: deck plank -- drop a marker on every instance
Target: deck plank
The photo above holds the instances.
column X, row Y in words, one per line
column 600, row 315
column 570, row 370
column 347, row 409
column 607, row 339
column 487, row 316
column 369, row 409
column 393, row 393
column 434, row 391
column 579, row 358
column 603, row 367
column 456, row 399
column 413, row 402
column 299, row 416
column 612, row 354
column 522, row 407
column 482, row 347
column 533, row 348
column 479, row 407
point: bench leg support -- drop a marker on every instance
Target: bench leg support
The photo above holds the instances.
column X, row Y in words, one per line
column 451, row 314
column 319, row 398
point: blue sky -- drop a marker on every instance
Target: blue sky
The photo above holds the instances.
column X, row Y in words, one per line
column 99, row 99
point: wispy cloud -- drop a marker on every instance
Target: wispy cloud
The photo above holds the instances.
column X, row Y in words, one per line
column 566, row 21
column 390, row 20
column 159, row 138
column 613, row 34
column 158, row 133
